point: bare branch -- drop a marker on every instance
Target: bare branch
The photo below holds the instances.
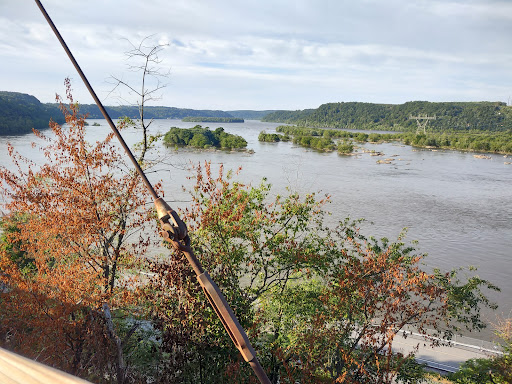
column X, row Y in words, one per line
column 143, row 58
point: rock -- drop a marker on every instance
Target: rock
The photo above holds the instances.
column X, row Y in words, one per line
column 481, row 156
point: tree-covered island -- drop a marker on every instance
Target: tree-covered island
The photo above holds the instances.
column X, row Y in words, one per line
column 325, row 139
column 272, row 137
column 199, row 137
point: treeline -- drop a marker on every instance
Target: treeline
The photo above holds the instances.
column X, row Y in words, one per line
column 19, row 113
column 272, row 137
column 289, row 117
column 498, row 142
column 482, row 142
column 199, row 137
column 249, row 114
column 150, row 112
column 463, row 116
column 492, row 142
column 321, row 139
column 211, row 119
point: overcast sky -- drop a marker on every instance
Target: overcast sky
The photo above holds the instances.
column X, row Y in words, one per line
column 266, row 54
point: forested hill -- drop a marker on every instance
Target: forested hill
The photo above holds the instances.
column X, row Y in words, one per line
column 484, row 116
column 250, row 114
column 19, row 113
column 150, row 112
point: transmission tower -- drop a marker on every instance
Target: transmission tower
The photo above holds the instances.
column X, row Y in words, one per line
column 422, row 121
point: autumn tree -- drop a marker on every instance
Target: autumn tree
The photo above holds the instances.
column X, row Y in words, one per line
column 249, row 245
column 72, row 239
column 321, row 304
column 342, row 328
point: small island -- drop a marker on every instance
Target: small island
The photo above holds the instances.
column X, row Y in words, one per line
column 199, row 137
column 272, row 137
column 212, row 119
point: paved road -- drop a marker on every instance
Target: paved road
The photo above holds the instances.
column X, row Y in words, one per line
column 445, row 358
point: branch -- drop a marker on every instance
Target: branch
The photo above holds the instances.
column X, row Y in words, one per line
column 121, row 368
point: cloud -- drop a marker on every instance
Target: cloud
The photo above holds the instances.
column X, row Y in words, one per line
column 270, row 54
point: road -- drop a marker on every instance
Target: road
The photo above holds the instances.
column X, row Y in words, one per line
column 443, row 358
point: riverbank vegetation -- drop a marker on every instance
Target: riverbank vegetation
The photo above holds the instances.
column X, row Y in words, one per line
column 71, row 233
column 491, row 142
column 495, row 369
column 451, row 116
column 212, row 119
column 199, row 137
column 150, row 112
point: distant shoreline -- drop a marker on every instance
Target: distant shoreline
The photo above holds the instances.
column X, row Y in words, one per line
column 212, row 119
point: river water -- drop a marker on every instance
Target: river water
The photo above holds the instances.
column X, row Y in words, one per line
column 458, row 207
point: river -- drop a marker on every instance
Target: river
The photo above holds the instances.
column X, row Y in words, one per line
column 458, row 207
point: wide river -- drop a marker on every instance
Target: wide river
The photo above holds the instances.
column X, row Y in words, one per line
column 458, row 207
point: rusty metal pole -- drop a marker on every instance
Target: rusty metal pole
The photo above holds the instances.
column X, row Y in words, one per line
column 175, row 231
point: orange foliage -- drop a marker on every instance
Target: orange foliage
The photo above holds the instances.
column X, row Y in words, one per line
column 75, row 223
column 378, row 292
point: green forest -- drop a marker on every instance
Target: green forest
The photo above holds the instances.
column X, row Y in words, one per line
column 199, row 137
column 150, row 112
column 206, row 119
column 20, row 113
column 272, row 137
column 250, row 114
column 463, row 116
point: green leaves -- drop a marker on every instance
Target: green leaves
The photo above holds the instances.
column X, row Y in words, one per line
column 319, row 303
column 464, row 298
column 489, row 116
column 11, row 246
column 199, row 137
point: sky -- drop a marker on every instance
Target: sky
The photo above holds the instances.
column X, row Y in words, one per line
column 264, row 54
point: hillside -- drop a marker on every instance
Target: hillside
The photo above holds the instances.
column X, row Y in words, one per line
column 19, row 113
column 481, row 116
column 250, row 114
column 150, row 112
column 206, row 119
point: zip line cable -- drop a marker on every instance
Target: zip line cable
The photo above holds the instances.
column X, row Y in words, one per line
column 174, row 231
column 98, row 102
